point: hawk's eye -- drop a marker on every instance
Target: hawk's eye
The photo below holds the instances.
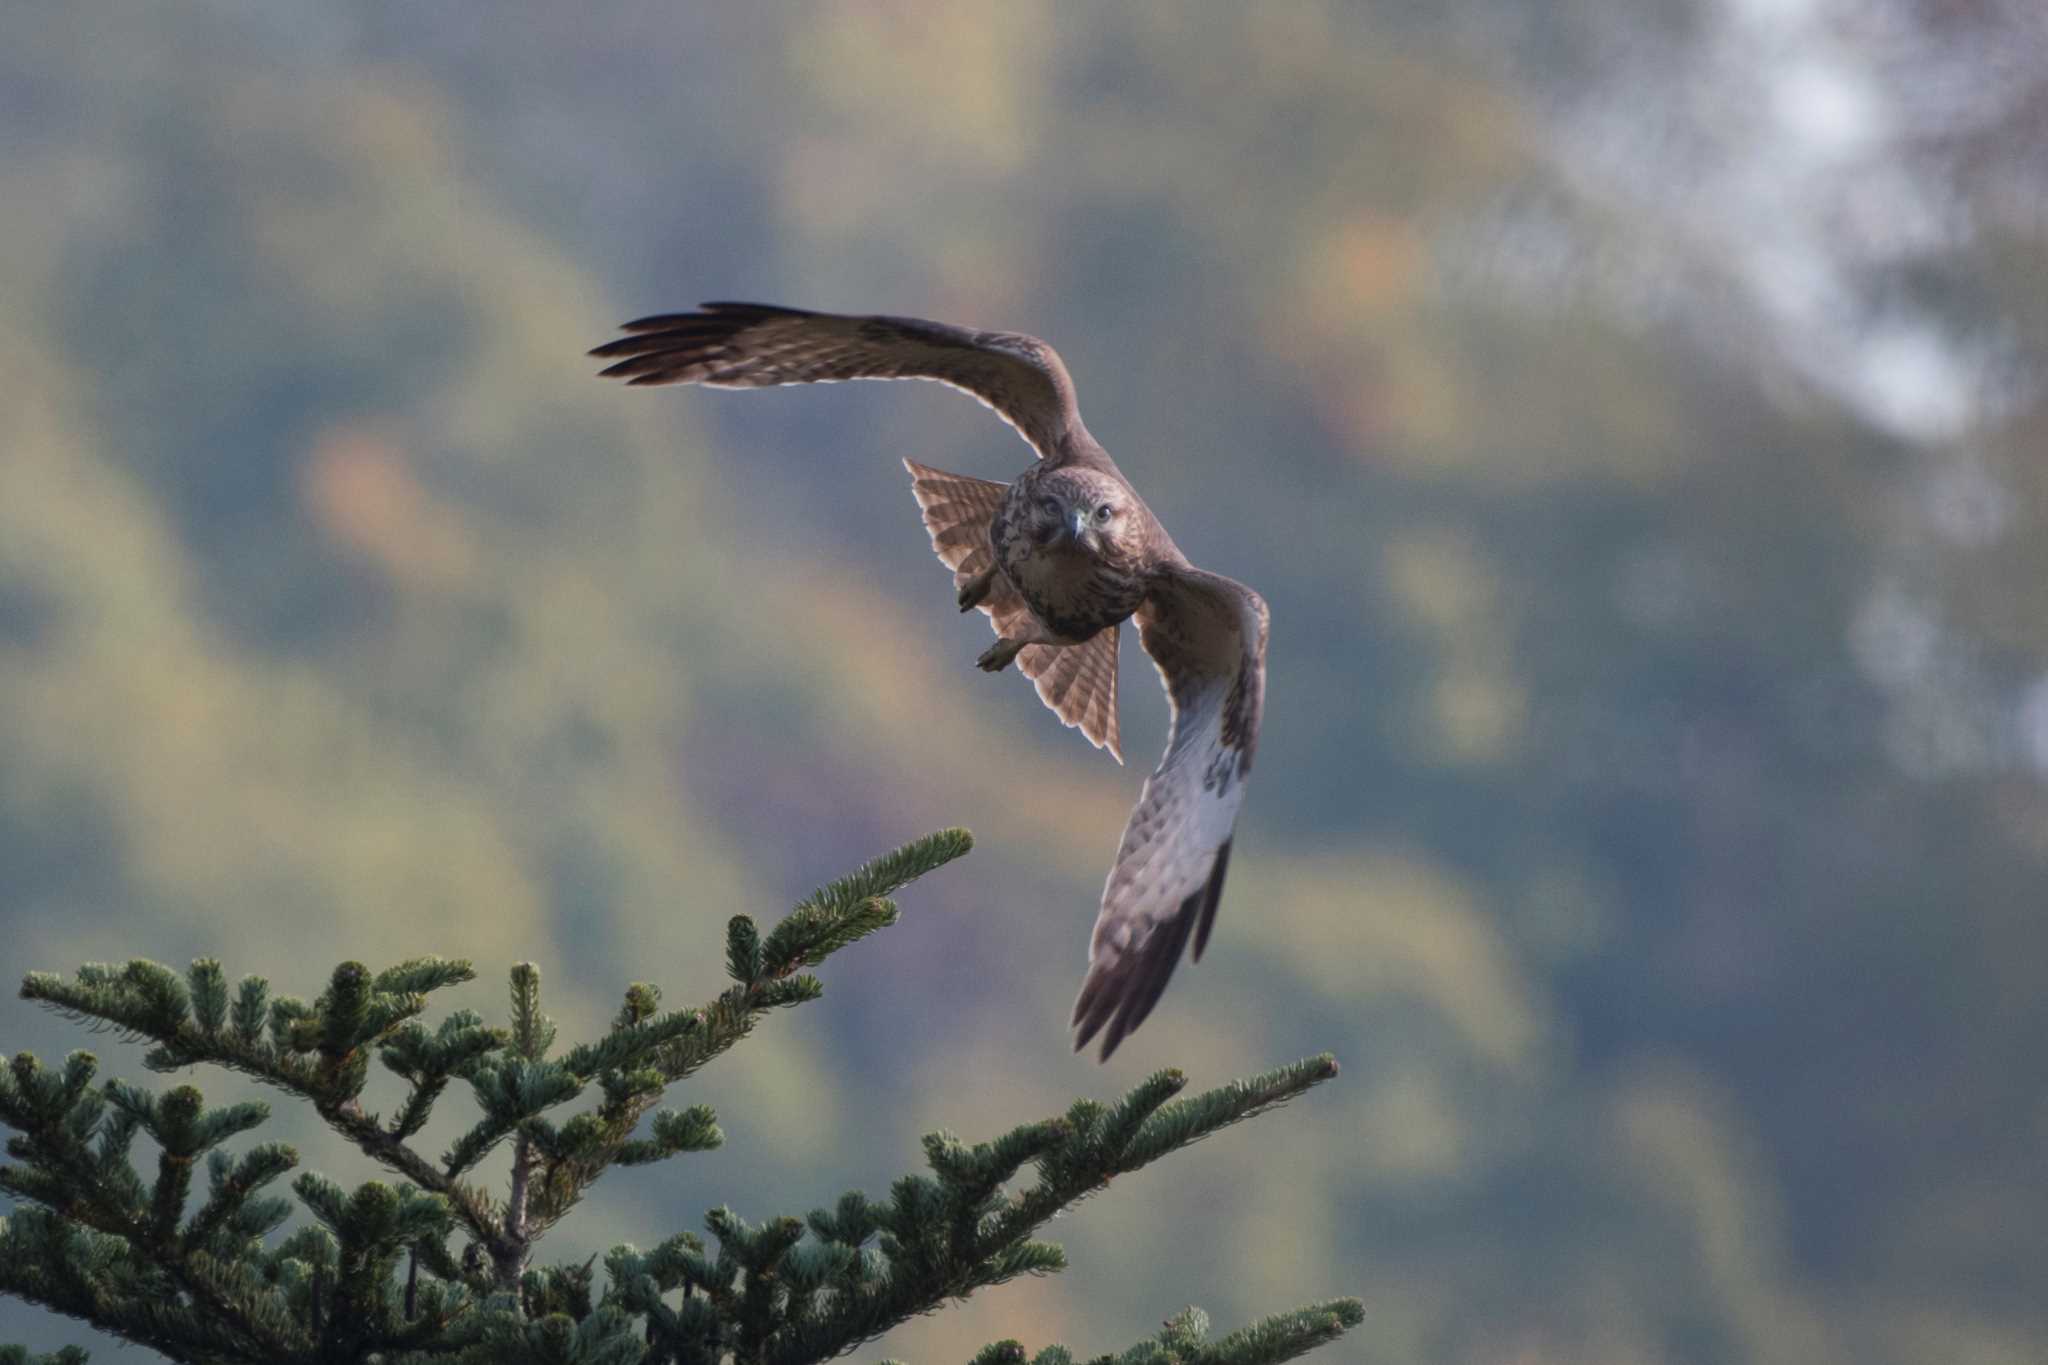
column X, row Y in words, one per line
column 1102, row 513
column 1051, row 505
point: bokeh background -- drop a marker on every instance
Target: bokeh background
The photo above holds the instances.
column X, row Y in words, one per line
column 1633, row 413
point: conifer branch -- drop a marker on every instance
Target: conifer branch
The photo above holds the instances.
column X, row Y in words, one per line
column 1183, row 1340
column 786, row 1301
column 95, row 1203
column 98, row 1241
column 890, row 873
column 671, row 1047
column 19, row 1355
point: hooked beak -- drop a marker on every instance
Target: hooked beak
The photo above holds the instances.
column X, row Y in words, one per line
column 1077, row 525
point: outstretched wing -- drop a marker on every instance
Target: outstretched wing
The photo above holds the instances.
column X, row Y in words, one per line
column 1077, row 681
column 1207, row 635
column 752, row 345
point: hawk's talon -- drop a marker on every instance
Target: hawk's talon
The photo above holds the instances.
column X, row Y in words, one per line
column 976, row 589
column 999, row 655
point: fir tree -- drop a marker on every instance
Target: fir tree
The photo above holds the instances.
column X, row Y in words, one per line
column 432, row 1267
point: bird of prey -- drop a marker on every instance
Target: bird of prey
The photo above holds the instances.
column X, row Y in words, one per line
column 1059, row 559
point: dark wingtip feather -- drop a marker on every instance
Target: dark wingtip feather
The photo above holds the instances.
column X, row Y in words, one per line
column 759, row 310
column 1212, row 896
column 1118, row 996
column 671, row 339
column 631, row 365
column 665, row 322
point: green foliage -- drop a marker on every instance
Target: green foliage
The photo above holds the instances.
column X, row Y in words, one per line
column 18, row 1355
column 1184, row 1340
column 371, row 1274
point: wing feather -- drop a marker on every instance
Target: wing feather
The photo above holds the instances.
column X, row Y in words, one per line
column 752, row 345
column 1207, row 635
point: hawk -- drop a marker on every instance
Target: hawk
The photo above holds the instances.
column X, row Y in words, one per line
column 1058, row 559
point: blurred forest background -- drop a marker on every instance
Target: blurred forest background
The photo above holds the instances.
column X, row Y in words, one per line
column 1633, row 413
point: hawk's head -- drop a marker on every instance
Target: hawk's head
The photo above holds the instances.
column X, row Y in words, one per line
column 1085, row 512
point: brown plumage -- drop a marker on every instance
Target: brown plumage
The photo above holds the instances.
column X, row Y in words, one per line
column 1058, row 559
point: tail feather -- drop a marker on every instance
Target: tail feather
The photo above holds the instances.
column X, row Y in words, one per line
column 1079, row 683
